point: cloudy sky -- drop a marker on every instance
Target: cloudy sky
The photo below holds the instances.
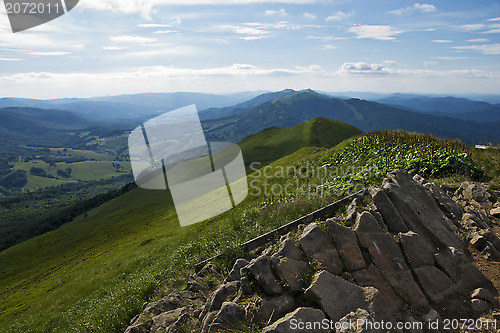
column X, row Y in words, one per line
column 107, row 47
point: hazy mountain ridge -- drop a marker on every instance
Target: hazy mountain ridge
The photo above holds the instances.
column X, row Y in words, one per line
column 299, row 107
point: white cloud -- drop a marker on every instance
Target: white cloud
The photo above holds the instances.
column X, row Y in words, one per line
column 309, row 16
column 159, row 32
column 360, row 68
column 328, row 47
column 132, row 39
column 473, row 27
column 489, row 49
column 478, row 40
column 153, row 25
column 424, row 8
column 379, row 32
column 494, row 19
column 450, row 58
column 442, row 41
column 339, row 16
column 280, row 12
column 326, row 38
column 430, row 64
column 114, row 48
column 10, row 59
column 55, row 53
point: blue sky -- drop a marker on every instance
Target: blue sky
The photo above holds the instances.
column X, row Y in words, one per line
column 107, row 47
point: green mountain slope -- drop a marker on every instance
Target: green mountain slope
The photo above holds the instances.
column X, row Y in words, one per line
column 274, row 143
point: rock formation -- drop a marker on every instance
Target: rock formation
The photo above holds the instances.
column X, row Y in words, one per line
column 404, row 259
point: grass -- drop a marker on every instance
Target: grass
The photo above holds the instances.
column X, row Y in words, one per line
column 81, row 171
column 93, row 274
column 274, row 143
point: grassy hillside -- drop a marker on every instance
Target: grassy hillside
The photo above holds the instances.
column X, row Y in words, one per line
column 274, row 143
column 93, row 274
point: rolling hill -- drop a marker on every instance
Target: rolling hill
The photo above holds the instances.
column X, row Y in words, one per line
column 305, row 105
column 274, row 143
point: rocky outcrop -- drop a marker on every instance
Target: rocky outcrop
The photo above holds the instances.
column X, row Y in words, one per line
column 405, row 258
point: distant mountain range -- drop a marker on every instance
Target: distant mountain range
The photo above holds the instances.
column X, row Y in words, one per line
column 129, row 107
column 234, row 117
column 296, row 107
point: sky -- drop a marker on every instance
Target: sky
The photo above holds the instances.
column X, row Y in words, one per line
column 110, row 47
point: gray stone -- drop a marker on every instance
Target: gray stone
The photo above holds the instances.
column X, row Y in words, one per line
column 349, row 323
column 451, row 262
column 388, row 258
column 417, row 251
column 420, row 211
column 260, row 268
column 137, row 328
column 319, row 248
column 164, row 320
column 346, row 242
column 447, row 204
column 290, row 265
column 495, row 212
column 235, row 273
column 302, row 315
column 478, row 242
column 335, row 296
column 376, row 214
column 485, row 295
column 490, row 252
column 492, row 238
column 353, row 210
column 372, row 277
column 172, row 301
column 472, row 191
column 197, row 285
column 436, row 284
column 389, row 213
column 207, row 321
column 225, row 292
column 179, row 323
column 229, row 316
column 271, row 309
column 479, row 306
column 432, row 315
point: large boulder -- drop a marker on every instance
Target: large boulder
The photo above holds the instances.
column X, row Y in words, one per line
column 420, row 211
column 338, row 297
column 416, row 250
column 290, row 265
column 435, row 283
column 162, row 321
column 235, row 273
column 271, row 308
column 346, row 242
column 229, row 316
column 260, row 268
column 389, row 213
column 319, row 248
column 371, row 277
column 386, row 255
column 302, row 320
column 450, row 207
